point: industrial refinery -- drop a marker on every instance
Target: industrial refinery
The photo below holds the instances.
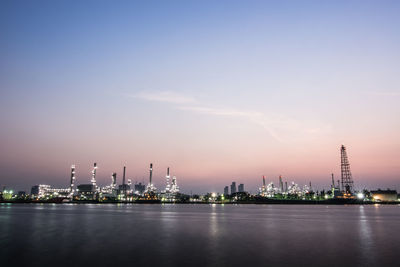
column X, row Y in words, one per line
column 91, row 192
column 285, row 191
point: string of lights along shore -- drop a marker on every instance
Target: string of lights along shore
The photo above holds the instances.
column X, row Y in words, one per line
column 340, row 191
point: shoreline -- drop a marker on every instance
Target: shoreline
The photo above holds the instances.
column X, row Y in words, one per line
column 265, row 202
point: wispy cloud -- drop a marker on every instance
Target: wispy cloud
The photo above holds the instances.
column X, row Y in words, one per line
column 220, row 111
column 163, row 96
column 280, row 127
column 253, row 116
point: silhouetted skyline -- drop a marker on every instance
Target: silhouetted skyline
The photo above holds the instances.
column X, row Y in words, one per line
column 219, row 91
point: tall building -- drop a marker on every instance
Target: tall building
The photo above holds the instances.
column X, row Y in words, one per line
column 241, row 188
column 226, row 190
column 280, row 184
column 233, row 188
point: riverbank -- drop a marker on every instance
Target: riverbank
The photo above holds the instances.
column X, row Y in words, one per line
column 258, row 202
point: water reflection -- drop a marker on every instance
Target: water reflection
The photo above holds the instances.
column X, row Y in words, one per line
column 199, row 235
column 366, row 249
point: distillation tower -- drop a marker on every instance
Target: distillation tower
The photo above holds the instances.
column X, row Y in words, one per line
column 113, row 181
column 93, row 180
column 174, row 186
column 72, row 182
column 168, row 178
column 150, row 187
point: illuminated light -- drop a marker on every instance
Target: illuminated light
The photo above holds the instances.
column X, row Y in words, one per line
column 213, row 195
column 360, row 196
column 326, row 196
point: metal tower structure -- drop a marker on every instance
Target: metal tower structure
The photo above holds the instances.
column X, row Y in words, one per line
column 93, row 180
column 347, row 180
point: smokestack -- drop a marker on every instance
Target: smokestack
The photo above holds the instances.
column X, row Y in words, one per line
column 168, row 171
column 264, row 180
column 286, row 187
column 123, row 176
column 151, row 172
column 280, row 183
column 333, row 181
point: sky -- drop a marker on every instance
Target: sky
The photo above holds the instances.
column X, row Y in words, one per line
column 219, row 91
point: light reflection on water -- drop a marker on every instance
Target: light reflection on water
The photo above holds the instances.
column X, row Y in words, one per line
column 199, row 235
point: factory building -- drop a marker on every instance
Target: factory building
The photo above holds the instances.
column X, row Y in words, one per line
column 87, row 191
column 39, row 190
column 45, row 191
column 384, row 195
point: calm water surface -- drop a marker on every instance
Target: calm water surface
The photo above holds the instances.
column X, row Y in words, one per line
column 199, row 235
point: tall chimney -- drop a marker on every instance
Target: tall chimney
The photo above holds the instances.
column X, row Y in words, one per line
column 123, row 176
column 151, row 172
